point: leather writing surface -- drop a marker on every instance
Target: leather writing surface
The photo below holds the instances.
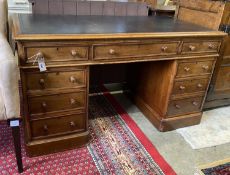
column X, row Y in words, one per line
column 50, row 24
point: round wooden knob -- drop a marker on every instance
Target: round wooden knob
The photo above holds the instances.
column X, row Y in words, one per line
column 72, row 101
column 199, row 85
column 182, row 87
column 164, row 48
column 40, row 55
column 205, row 67
column 211, row 46
column 192, row 48
column 111, row 51
column 195, row 103
column 186, row 69
column 177, row 106
column 42, row 82
column 72, row 79
column 45, row 128
column 44, row 105
column 72, row 124
column 73, row 53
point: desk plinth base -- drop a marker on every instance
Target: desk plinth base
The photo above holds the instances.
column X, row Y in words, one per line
column 52, row 145
column 167, row 124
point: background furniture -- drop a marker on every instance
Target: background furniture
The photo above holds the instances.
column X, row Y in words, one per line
column 9, row 94
column 94, row 8
column 214, row 15
column 166, row 77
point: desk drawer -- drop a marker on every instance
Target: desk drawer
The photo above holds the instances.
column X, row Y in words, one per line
column 57, row 102
column 56, row 79
column 55, row 54
column 184, row 106
column 60, row 125
column 128, row 50
column 201, row 47
column 194, row 68
column 190, row 86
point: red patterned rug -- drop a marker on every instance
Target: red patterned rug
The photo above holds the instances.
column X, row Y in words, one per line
column 117, row 146
column 221, row 167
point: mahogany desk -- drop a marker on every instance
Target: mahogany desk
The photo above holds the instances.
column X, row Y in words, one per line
column 169, row 70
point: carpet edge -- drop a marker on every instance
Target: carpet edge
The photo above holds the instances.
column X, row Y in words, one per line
column 166, row 168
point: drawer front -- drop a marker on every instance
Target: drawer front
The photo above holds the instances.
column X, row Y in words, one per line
column 194, row 68
column 57, row 102
column 190, row 86
column 55, row 54
column 133, row 50
column 184, row 106
column 60, row 125
column 201, row 47
column 55, row 79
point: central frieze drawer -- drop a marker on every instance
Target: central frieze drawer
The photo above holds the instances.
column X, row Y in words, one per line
column 56, row 79
column 57, row 102
column 190, row 86
column 194, row 68
column 55, row 54
column 128, row 50
column 65, row 124
column 184, row 106
column 201, row 47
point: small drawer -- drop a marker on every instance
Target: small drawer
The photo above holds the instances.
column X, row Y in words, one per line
column 201, row 47
column 56, row 79
column 129, row 50
column 190, row 86
column 55, row 54
column 194, row 68
column 57, row 102
column 59, row 125
column 184, row 106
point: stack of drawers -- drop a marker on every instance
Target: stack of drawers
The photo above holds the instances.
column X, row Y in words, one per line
column 192, row 78
column 55, row 101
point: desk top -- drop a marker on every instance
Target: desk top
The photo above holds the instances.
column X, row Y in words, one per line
column 42, row 27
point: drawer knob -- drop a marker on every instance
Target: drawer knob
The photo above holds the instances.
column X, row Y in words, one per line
column 72, row 101
column 211, row 46
column 73, row 53
column 195, row 103
column 111, row 51
column 44, row 105
column 40, row 55
column 199, row 85
column 72, row 124
column 205, row 67
column 72, row 79
column 182, row 87
column 177, row 106
column 45, row 128
column 164, row 48
column 192, row 48
column 42, row 82
column 186, row 69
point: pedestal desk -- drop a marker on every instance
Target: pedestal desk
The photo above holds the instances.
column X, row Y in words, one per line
column 169, row 67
